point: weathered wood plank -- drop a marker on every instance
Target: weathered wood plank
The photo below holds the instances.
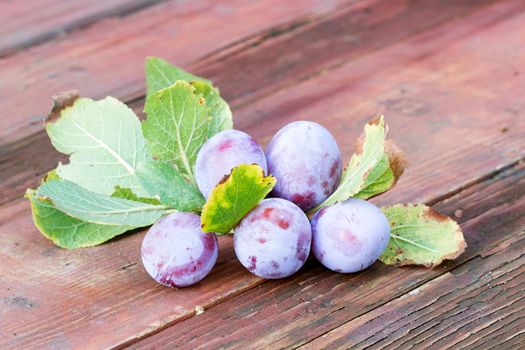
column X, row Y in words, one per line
column 464, row 307
column 108, row 59
column 514, row 342
column 246, row 72
column 291, row 312
column 30, row 22
column 497, row 334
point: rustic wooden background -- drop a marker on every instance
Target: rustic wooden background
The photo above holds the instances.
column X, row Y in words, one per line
column 448, row 74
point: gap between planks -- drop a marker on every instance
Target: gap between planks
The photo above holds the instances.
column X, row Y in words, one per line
column 482, row 178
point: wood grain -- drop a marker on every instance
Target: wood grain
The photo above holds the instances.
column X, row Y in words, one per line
column 465, row 308
column 292, row 312
column 53, row 298
column 431, row 87
column 246, row 72
column 30, row 22
column 457, row 122
column 108, row 59
column 421, row 104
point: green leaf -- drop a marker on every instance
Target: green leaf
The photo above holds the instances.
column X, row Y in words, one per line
column 234, row 197
column 369, row 152
column 92, row 207
column 162, row 180
column 160, row 74
column 126, row 193
column 177, row 126
column 66, row 231
column 421, row 236
column 221, row 115
column 103, row 139
column 385, row 174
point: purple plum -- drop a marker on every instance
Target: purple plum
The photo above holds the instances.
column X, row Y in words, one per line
column 176, row 253
column 304, row 158
column 273, row 240
column 349, row 236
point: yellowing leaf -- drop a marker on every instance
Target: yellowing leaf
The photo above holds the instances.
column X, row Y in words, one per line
column 421, row 236
column 369, row 152
column 386, row 172
column 234, row 197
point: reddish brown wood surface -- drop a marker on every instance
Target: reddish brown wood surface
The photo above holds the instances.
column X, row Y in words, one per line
column 431, row 87
column 316, row 300
column 30, row 22
column 430, row 66
column 22, row 171
column 108, row 59
column 243, row 71
column 101, row 291
column 468, row 308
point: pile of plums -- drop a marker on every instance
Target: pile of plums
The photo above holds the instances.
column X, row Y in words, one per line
column 275, row 238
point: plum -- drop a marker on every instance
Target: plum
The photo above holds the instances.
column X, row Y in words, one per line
column 349, row 236
column 176, row 253
column 273, row 240
column 306, row 161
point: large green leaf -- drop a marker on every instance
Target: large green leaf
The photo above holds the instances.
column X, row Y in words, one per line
column 369, row 153
column 385, row 173
column 66, row 231
column 160, row 74
column 234, row 197
column 177, row 126
column 421, row 236
column 92, row 207
column 162, row 180
column 104, row 141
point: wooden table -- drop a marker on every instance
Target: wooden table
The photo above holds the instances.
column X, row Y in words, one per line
column 449, row 75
